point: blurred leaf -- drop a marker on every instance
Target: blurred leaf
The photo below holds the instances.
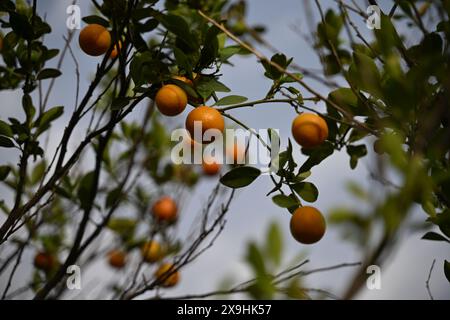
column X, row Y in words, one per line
column 43, row 122
column 255, row 259
column 274, row 243
column 38, row 172
column 48, row 74
column 434, row 236
column 5, row 129
column 85, row 190
column 364, row 74
column 447, row 270
column 4, row 172
column 120, row 103
column 240, row 177
column 6, row 142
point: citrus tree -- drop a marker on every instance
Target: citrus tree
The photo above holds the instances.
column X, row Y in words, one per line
column 386, row 91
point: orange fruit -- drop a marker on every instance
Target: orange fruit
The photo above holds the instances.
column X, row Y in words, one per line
column 165, row 210
column 185, row 80
column 209, row 118
column 162, row 274
column 307, row 225
column 211, row 167
column 115, row 51
column 117, row 259
column 94, row 40
column 171, row 100
column 151, row 251
column 237, row 153
column 44, row 261
column 309, row 130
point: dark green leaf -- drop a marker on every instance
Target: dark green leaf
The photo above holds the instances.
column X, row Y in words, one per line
column 43, row 122
column 4, row 172
column 284, row 201
column 434, row 236
column 364, row 74
column 225, row 101
column 447, row 270
column 93, row 19
column 307, row 191
column 240, row 177
column 6, row 142
column 120, row 103
column 5, row 129
column 48, row 74
column 85, row 190
column 21, row 26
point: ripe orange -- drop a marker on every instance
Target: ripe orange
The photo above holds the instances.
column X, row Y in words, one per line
column 171, row 100
column 211, row 167
column 117, row 258
column 94, row 40
column 115, row 50
column 44, row 261
column 185, row 80
column 163, row 272
column 309, row 130
column 209, row 118
column 165, row 209
column 237, row 153
column 307, row 225
column 151, row 251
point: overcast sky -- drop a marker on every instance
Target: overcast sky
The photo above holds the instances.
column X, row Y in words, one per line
column 403, row 277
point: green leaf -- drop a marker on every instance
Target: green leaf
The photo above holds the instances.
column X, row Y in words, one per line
column 6, row 142
column 274, row 243
column 48, row 74
column 21, row 26
column 355, row 153
column 182, row 61
column 227, row 52
column 347, row 100
column 122, row 225
column 5, row 129
column 240, row 177
column 85, row 190
column 113, row 197
column 4, row 172
column 255, row 259
column 44, row 121
column 306, row 190
column 120, row 103
column 179, row 27
column 364, row 75
column 208, row 85
column 447, row 270
column 228, row 100
column 434, row 237
column 38, row 172
column 317, row 155
column 28, row 107
column 284, row 201
column 94, row 19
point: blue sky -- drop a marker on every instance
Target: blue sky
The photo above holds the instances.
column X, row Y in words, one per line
column 403, row 277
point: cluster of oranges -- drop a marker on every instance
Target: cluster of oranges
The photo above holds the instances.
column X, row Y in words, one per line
column 307, row 223
column 309, row 130
column 164, row 210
